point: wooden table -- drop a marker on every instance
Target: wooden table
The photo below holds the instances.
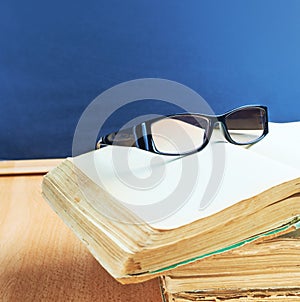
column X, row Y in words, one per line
column 40, row 258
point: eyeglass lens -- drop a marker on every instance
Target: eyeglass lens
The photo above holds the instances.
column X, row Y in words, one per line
column 246, row 125
column 179, row 134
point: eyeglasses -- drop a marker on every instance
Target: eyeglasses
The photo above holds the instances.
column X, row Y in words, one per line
column 186, row 133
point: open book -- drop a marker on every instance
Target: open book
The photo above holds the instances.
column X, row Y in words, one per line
column 140, row 222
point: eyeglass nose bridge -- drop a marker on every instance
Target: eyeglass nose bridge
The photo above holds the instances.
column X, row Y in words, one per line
column 218, row 130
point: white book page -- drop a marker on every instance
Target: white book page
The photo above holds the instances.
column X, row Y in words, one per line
column 282, row 143
column 167, row 192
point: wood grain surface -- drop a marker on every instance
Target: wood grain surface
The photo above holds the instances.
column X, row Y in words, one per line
column 36, row 166
column 42, row 260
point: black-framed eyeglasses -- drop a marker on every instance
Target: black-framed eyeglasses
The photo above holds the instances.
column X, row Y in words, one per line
column 186, row 133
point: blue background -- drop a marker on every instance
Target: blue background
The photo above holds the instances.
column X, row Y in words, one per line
column 57, row 56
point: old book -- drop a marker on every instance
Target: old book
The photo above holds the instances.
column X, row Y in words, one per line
column 266, row 270
column 137, row 234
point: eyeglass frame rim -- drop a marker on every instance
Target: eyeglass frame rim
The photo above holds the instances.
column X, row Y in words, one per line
column 148, row 143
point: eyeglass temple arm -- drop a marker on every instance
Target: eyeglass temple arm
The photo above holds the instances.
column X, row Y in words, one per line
column 120, row 138
column 137, row 136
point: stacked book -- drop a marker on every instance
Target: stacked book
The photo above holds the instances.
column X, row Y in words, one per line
column 241, row 244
